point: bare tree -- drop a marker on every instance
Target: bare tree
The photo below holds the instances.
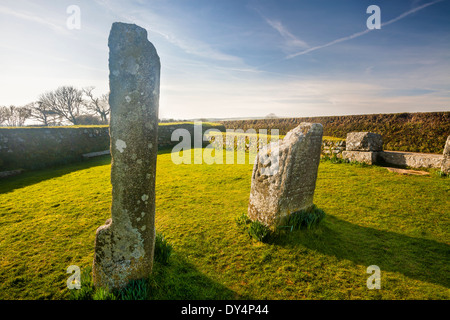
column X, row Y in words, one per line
column 3, row 114
column 66, row 101
column 13, row 116
column 42, row 113
column 99, row 105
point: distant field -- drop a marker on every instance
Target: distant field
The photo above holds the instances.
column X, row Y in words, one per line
column 401, row 223
column 415, row 132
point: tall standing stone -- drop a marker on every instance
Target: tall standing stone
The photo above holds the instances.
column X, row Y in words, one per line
column 276, row 194
column 124, row 246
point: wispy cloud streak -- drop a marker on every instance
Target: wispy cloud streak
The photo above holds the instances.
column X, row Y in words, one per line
column 361, row 33
column 160, row 26
column 291, row 40
column 33, row 18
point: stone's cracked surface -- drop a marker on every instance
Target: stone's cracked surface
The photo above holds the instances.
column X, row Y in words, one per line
column 276, row 194
column 363, row 147
column 124, row 246
column 364, row 141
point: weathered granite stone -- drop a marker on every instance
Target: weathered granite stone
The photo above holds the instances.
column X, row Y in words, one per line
column 447, row 147
column 446, row 161
column 364, row 141
column 124, row 246
column 284, row 175
column 411, row 159
column 367, row 157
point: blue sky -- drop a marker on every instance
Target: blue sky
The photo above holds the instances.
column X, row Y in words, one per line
column 238, row 58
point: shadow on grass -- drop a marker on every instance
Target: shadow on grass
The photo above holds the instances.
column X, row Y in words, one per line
column 417, row 258
column 35, row 176
column 180, row 280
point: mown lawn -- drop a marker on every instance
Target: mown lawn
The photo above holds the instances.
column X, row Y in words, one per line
column 400, row 223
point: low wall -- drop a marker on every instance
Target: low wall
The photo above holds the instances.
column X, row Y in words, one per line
column 34, row 148
column 333, row 147
column 411, row 159
column 330, row 146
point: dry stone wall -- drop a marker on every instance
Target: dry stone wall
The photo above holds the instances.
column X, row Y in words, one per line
column 332, row 148
column 35, row 148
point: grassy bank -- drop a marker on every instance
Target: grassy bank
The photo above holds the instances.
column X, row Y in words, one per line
column 415, row 132
column 401, row 223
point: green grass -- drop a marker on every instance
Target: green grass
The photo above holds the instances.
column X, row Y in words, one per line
column 401, row 223
column 332, row 138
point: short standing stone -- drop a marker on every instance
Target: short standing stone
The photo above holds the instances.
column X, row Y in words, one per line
column 124, row 246
column 446, row 161
column 276, row 194
column 364, row 141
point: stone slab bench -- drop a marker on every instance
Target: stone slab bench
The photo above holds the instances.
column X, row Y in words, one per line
column 411, row 159
column 398, row 158
column 95, row 154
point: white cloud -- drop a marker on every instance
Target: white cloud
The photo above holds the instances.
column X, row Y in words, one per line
column 290, row 40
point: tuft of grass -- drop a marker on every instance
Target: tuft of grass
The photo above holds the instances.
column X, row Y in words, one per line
column 103, row 294
column 163, row 249
column 440, row 174
column 254, row 229
column 243, row 220
column 305, row 218
column 135, row 290
column 333, row 159
column 259, row 231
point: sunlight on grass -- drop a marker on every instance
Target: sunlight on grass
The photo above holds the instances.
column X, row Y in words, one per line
column 48, row 220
